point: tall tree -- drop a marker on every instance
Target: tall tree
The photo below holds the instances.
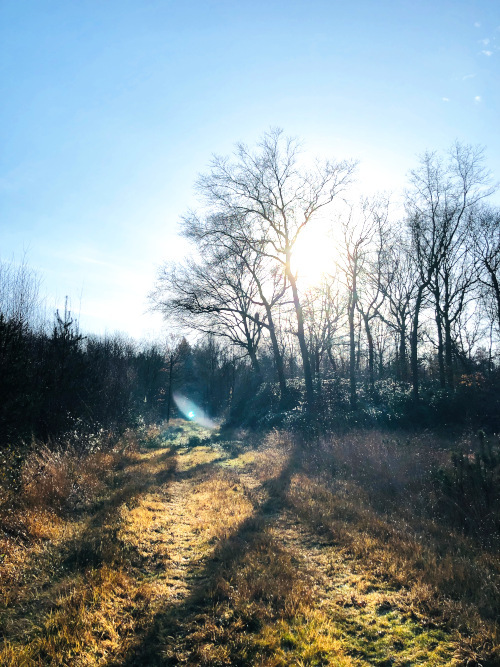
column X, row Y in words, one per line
column 228, row 235
column 438, row 201
column 359, row 228
column 485, row 224
column 277, row 198
column 323, row 311
column 176, row 354
column 398, row 283
column 371, row 296
column 213, row 294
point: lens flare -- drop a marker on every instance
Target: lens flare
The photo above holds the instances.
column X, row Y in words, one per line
column 193, row 412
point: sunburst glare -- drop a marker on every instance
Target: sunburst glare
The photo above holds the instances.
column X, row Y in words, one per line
column 313, row 255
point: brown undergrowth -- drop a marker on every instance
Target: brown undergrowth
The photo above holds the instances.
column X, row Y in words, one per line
column 191, row 548
column 372, row 495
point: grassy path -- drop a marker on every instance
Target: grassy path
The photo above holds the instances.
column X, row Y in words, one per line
column 204, row 555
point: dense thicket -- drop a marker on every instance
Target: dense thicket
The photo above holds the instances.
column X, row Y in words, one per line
column 64, row 388
column 402, row 328
column 404, row 325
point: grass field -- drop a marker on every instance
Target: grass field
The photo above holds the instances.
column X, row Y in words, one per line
column 187, row 547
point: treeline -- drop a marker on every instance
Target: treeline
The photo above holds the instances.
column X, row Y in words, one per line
column 407, row 314
column 403, row 327
column 71, row 390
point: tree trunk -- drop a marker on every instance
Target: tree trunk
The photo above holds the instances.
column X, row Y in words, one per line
column 317, row 362
column 403, row 366
column 255, row 362
column 352, row 349
column 278, row 359
column 170, row 380
column 306, row 364
column 440, row 350
column 414, row 345
column 448, row 351
column 358, row 348
column 371, row 360
column 331, row 358
column 496, row 289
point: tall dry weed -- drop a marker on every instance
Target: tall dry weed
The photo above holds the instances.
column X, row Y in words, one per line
column 48, row 478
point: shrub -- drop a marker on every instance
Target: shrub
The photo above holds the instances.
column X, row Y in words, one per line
column 48, row 478
column 63, row 478
column 197, row 440
column 468, row 491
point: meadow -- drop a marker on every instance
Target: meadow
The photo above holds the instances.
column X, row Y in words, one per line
column 184, row 546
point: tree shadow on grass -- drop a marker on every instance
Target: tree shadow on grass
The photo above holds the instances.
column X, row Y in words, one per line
column 249, row 561
column 97, row 545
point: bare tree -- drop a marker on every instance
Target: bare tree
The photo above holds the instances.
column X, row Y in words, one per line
column 214, row 295
column 438, row 202
column 228, row 234
column 277, row 199
column 19, row 292
column 371, row 296
column 452, row 288
column 486, row 242
column 398, row 283
column 360, row 228
column 323, row 311
column 176, row 352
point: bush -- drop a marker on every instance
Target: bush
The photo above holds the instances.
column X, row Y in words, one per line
column 48, row 478
column 68, row 473
column 468, row 491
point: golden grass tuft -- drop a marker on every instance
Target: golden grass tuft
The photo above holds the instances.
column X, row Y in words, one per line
column 87, row 621
column 217, row 553
column 48, row 478
column 258, row 609
column 69, row 592
column 367, row 494
column 218, row 506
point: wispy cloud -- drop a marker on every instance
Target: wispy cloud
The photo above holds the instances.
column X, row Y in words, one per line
column 487, row 53
column 477, row 99
column 484, row 41
column 477, row 24
column 445, row 99
column 468, row 76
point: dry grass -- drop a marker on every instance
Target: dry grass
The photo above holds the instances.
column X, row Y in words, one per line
column 372, row 496
column 219, row 506
column 257, row 610
column 87, row 622
column 61, row 480
column 180, row 550
column 66, row 579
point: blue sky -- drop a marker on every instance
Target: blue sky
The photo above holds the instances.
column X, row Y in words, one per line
column 110, row 109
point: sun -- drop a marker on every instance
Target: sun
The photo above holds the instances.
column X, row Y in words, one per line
column 313, row 255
